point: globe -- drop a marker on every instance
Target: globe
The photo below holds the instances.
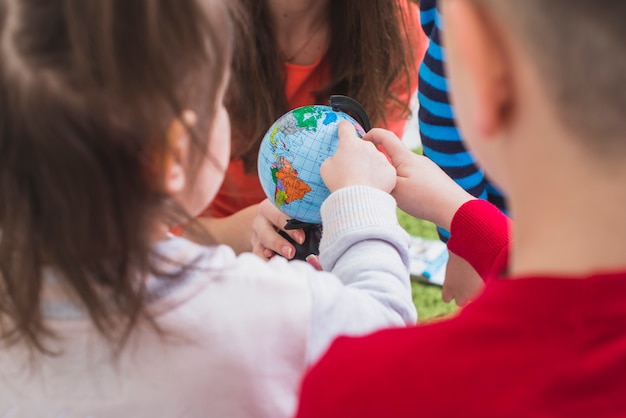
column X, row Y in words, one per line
column 290, row 156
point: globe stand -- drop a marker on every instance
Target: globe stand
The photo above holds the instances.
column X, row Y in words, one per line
column 312, row 237
column 353, row 108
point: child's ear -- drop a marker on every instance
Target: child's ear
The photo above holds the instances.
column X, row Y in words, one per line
column 478, row 65
column 176, row 153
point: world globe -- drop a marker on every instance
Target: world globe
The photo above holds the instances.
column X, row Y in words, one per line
column 290, row 156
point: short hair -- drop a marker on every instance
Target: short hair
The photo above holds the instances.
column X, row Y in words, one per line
column 579, row 51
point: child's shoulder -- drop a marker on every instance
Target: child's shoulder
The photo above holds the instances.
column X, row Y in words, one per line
column 218, row 282
column 220, row 262
column 224, row 271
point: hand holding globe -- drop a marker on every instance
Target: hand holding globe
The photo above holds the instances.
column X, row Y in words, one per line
column 290, row 158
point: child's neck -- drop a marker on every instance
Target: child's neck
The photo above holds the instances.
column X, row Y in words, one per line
column 293, row 16
column 571, row 222
column 301, row 28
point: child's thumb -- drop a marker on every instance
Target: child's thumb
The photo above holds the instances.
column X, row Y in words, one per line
column 390, row 143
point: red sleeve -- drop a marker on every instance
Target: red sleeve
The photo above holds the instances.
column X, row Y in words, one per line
column 479, row 233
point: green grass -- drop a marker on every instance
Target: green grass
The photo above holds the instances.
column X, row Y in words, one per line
column 427, row 300
column 426, row 297
column 417, row 227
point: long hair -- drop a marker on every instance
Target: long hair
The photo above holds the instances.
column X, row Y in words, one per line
column 369, row 53
column 87, row 91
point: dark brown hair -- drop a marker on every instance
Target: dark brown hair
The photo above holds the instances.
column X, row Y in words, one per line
column 369, row 52
column 579, row 50
column 87, row 91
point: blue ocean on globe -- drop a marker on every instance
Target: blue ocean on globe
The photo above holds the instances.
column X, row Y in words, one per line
column 291, row 153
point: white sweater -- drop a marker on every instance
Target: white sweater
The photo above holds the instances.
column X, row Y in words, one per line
column 241, row 331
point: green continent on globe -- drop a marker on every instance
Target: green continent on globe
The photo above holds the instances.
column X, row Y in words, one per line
column 288, row 186
column 307, row 117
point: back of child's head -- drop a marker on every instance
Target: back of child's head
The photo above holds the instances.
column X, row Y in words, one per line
column 88, row 89
column 579, row 50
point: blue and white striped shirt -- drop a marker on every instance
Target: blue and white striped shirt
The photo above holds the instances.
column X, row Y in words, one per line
column 441, row 139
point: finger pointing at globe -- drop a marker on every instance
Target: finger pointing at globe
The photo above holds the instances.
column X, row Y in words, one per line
column 357, row 162
column 290, row 157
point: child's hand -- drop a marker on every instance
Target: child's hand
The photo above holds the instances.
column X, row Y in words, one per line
column 357, row 162
column 265, row 240
column 422, row 189
column 462, row 283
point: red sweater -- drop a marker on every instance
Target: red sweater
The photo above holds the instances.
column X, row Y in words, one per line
column 533, row 347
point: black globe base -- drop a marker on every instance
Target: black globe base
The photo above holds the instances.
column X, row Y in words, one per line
column 313, row 236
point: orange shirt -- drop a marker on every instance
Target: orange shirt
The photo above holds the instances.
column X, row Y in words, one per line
column 240, row 189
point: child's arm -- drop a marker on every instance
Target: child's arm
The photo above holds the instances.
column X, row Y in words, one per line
column 479, row 231
column 233, row 230
column 365, row 285
column 422, row 188
column 364, row 251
